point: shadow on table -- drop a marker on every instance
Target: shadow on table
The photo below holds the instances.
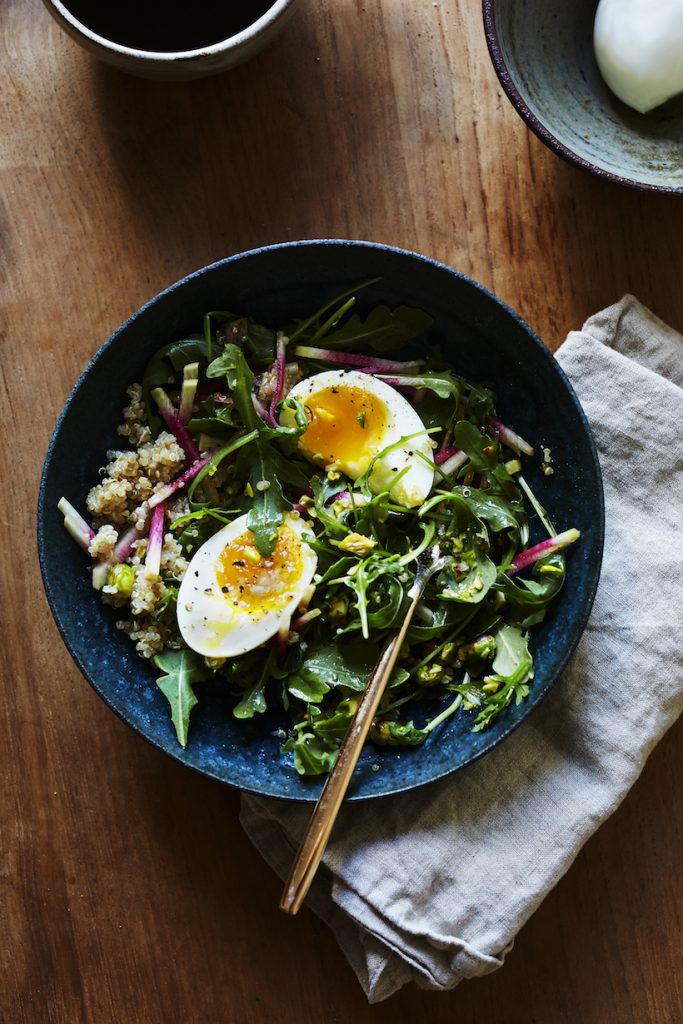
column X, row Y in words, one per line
column 255, row 155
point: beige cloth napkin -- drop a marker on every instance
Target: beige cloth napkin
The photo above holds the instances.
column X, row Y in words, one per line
column 433, row 885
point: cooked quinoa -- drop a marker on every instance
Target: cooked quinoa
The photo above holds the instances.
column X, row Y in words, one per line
column 134, row 426
column 131, row 477
column 104, row 542
column 269, row 380
column 121, row 502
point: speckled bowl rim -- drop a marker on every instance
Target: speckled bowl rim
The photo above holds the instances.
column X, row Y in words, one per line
column 545, row 353
column 537, row 126
column 235, row 42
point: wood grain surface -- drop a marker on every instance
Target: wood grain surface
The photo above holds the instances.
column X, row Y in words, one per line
column 127, row 891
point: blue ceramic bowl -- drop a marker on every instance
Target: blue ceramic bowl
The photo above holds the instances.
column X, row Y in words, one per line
column 542, row 51
column 484, row 339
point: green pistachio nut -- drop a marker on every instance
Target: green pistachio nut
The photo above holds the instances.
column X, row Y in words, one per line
column 122, row 577
column 429, row 675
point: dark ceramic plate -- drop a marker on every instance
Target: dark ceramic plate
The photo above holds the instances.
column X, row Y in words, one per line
column 484, row 339
column 542, row 51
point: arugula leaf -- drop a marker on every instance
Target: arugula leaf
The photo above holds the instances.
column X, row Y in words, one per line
column 164, row 366
column 260, row 342
column 334, row 726
column 471, row 575
column 232, row 365
column 213, row 418
column 483, row 454
column 334, row 527
column 208, row 470
column 386, row 600
column 311, row 326
column 513, row 668
column 512, row 656
column 337, row 569
column 267, row 511
column 166, row 608
column 182, row 669
column 383, row 329
column 312, row 754
column 529, row 598
column 257, row 339
column 492, row 508
column 339, row 664
column 263, row 466
column 254, row 700
column 479, row 401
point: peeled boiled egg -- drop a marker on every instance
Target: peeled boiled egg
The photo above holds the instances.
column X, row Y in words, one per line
column 232, row 599
column 352, row 418
column 639, row 50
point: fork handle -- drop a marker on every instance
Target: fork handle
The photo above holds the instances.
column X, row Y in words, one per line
column 322, row 821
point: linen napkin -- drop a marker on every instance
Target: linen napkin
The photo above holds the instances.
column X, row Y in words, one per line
column 433, row 885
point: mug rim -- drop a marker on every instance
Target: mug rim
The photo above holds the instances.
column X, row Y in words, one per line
column 234, row 42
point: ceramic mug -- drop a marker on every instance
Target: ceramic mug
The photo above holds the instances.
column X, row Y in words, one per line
column 161, row 43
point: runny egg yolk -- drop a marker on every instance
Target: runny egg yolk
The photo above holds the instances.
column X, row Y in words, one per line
column 346, row 427
column 255, row 584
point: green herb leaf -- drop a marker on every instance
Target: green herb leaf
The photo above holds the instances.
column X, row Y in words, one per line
column 471, row 574
column 529, row 598
column 513, row 668
column 492, row 508
column 259, row 341
column 482, row 452
column 254, row 700
column 397, row 734
column 269, row 504
column 264, row 466
column 312, row 327
column 207, row 471
column 512, row 652
column 232, row 365
column 165, row 366
column 182, row 669
column 312, row 754
column 383, row 329
column 346, row 664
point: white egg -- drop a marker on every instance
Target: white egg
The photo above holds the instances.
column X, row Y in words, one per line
column 231, row 599
column 354, row 417
column 639, row 50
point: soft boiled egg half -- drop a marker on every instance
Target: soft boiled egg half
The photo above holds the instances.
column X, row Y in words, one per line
column 232, row 599
column 639, row 50
column 352, row 418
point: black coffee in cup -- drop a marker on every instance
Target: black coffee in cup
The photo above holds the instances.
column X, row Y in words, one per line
column 167, row 26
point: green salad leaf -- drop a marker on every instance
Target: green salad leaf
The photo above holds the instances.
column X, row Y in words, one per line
column 383, row 329
column 513, row 668
column 181, row 670
column 165, row 367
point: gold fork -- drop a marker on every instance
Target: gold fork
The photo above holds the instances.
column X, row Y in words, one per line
column 324, row 815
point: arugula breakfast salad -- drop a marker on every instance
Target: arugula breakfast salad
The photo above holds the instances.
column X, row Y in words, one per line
column 263, row 526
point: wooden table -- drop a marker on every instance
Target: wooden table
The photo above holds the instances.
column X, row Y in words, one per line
column 127, row 891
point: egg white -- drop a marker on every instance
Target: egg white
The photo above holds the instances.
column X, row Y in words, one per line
column 209, row 623
column 639, row 49
column 402, row 421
